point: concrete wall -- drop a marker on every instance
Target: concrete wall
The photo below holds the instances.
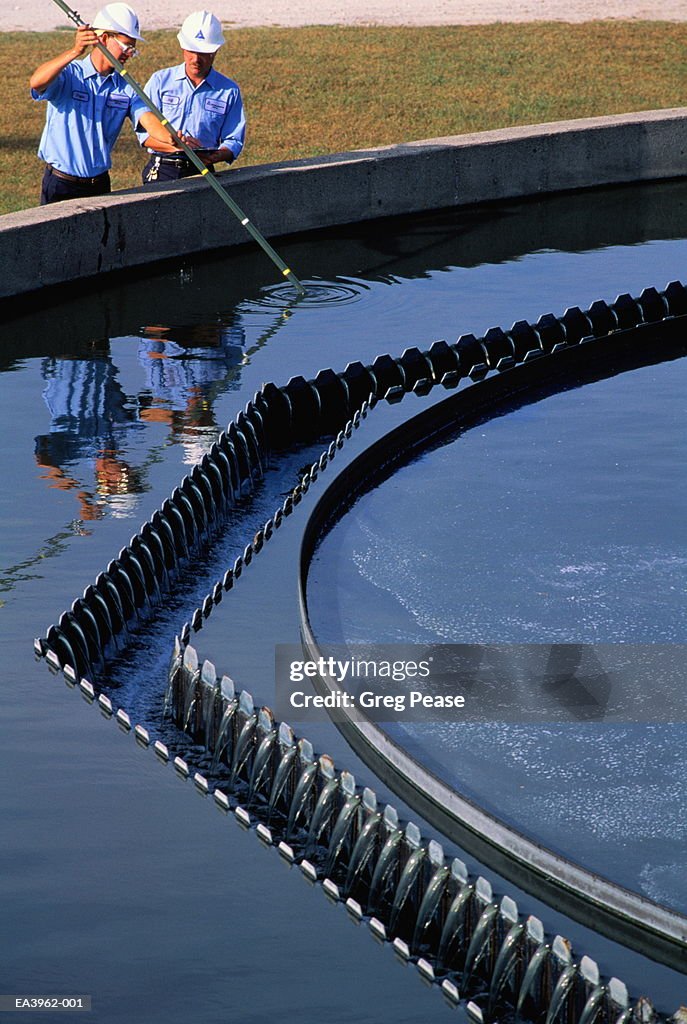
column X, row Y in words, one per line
column 82, row 238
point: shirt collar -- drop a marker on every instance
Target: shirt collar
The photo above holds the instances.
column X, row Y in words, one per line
column 179, row 73
column 88, row 69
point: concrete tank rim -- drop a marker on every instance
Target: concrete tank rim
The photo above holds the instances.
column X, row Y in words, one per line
column 141, row 226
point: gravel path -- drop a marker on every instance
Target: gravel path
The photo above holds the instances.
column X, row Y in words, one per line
column 44, row 15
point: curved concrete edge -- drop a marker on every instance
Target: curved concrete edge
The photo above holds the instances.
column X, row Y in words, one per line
column 622, row 915
column 84, row 238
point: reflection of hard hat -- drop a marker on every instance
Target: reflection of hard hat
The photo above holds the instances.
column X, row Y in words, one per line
column 122, row 506
column 195, row 449
column 119, row 18
column 201, row 33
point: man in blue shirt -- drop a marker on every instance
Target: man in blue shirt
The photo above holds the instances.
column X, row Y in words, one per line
column 87, row 104
column 203, row 106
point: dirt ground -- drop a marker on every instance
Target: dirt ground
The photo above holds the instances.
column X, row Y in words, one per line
column 41, row 15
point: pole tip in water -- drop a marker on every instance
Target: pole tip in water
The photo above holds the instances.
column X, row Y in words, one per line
column 295, row 282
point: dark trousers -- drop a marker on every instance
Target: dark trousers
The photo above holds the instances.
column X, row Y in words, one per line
column 164, row 169
column 54, row 189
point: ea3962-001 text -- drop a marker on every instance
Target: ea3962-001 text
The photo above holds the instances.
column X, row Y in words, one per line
column 32, row 1002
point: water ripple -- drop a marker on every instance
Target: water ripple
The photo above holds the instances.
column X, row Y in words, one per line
column 318, row 293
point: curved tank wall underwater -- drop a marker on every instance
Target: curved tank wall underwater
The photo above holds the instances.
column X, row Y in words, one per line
column 240, row 915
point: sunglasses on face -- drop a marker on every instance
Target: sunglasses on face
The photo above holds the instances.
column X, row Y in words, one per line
column 127, row 49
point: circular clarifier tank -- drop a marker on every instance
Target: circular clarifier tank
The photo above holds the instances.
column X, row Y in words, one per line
column 559, row 521
column 167, row 361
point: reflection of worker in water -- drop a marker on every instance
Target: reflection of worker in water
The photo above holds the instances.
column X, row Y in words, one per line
column 90, row 418
column 116, row 482
column 185, row 370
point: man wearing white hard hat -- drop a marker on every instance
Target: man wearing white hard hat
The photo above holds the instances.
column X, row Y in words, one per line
column 204, row 106
column 87, row 104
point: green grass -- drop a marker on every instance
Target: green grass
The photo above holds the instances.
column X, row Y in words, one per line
column 322, row 90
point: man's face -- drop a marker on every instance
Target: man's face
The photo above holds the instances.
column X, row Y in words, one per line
column 198, row 64
column 120, row 46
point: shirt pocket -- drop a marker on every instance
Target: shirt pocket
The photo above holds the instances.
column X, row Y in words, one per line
column 218, row 108
column 118, row 101
column 170, row 104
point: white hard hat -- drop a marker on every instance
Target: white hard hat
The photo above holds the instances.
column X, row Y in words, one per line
column 201, row 33
column 119, row 18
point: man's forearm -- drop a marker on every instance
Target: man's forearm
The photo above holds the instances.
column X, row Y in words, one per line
column 48, row 72
column 159, row 145
column 158, row 136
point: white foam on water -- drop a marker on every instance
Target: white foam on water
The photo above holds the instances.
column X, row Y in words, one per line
column 539, row 528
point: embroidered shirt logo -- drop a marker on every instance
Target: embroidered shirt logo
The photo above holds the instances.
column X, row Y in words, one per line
column 118, row 100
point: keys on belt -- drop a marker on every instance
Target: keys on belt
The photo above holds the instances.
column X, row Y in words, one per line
column 178, row 160
column 184, row 166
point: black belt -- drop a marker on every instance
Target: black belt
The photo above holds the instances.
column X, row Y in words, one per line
column 182, row 161
column 178, row 161
column 73, row 177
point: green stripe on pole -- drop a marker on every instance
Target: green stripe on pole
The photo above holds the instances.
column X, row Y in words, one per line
column 192, row 156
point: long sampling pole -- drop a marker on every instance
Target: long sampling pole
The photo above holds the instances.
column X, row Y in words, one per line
column 192, row 156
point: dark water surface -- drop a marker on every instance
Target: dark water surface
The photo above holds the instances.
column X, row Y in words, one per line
column 116, row 879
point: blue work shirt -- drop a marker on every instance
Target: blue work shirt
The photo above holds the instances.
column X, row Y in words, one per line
column 211, row 112
column 86, row 111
